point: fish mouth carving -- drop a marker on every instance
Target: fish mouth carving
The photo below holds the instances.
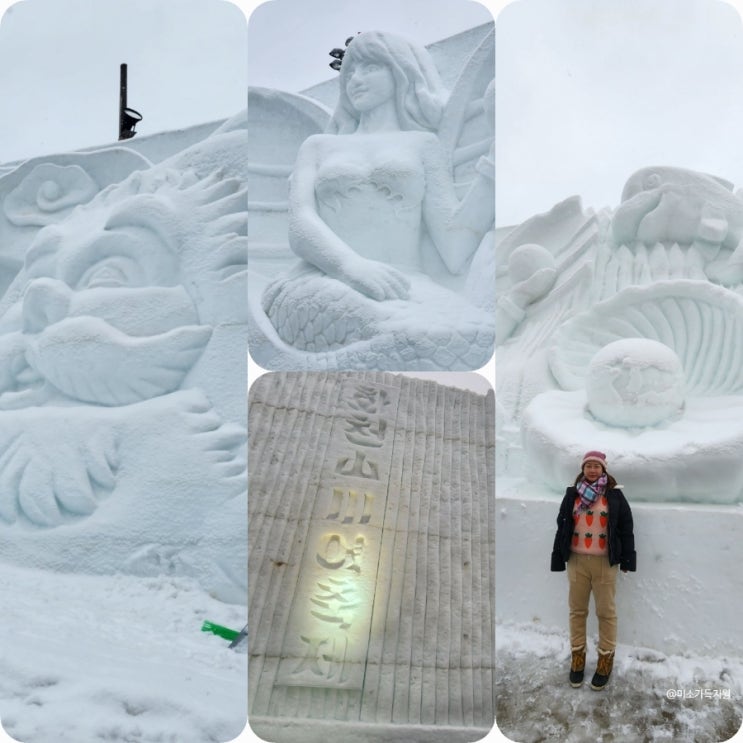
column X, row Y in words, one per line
column 102, row 346
column 89, row 360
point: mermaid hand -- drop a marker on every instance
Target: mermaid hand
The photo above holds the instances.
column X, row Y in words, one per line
column 375, row 280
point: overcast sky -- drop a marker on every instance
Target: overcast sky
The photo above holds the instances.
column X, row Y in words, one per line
column 59, row 69
column 588, row 91
column 290, row 40
column 187, row 59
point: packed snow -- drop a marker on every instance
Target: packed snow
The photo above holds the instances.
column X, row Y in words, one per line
column 117, row 658
column 383, row 281
column 651, row 696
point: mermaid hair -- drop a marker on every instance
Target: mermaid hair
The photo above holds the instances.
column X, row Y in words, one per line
column 419, row 93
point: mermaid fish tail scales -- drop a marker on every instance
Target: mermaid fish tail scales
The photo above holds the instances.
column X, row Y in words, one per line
column 434, row 329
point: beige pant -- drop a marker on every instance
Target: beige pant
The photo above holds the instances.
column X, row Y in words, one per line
column 588, row 573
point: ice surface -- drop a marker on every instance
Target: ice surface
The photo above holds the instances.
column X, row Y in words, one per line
column 371, row 559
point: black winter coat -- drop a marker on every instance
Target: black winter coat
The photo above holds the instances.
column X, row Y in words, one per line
column 621, row 540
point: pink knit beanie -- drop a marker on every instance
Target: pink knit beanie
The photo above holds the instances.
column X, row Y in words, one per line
column 594, row 456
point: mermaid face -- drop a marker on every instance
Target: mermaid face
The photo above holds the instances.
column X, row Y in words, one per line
column 369, row 85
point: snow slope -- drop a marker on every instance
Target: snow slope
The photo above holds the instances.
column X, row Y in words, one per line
column 116, row 658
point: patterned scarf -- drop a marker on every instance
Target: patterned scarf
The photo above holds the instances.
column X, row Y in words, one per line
column 589, row 492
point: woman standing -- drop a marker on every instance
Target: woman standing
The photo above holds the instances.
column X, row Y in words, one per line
column 594, row 537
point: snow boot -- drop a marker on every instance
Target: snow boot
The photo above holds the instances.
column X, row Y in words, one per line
column 603, row 669
column 577, row 666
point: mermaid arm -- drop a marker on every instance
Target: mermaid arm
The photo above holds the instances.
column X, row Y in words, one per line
column 456, row 227
column 311, row 238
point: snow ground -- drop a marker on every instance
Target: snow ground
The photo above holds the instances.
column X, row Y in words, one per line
column 535, row 702
column 116, row 658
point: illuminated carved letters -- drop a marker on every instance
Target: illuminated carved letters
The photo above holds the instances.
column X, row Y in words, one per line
column 347, row 502
column 328, row 635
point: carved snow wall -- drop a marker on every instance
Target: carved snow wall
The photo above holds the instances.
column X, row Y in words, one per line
column 371, row 557
column 122, row 363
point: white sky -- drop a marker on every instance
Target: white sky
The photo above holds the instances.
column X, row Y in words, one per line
column 588, row 91
column 290, row 40
column 59, row 69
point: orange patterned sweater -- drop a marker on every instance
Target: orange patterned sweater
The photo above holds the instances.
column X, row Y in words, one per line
column 590, row 528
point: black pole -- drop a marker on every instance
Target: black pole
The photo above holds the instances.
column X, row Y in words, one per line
column 122, row 102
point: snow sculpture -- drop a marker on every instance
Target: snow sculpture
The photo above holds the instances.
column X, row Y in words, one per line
column 396, row 245
column 371, row 558
column 47, row 189
column 42, row 191
column 635, row 383
column 531, row 269
column 673, row 205
column 628, row 340
column 122, row 387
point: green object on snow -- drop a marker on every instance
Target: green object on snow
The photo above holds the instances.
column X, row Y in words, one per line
column 218, row 629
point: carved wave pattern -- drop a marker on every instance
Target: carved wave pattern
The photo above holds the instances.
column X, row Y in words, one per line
column 48, row 191
column 702, row 323
column 334, row 192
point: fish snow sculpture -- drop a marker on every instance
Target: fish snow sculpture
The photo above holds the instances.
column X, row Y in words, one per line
column 122, row 390
column 672, row 205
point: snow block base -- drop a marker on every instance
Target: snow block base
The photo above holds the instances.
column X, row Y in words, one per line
column 317, row 731
column 687, row 593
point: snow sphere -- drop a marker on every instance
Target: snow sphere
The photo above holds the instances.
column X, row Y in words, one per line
column 635, row 382
column 526, row 260
column 50, row 190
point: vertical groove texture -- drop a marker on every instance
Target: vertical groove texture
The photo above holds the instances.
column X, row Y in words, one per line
column 430, row 646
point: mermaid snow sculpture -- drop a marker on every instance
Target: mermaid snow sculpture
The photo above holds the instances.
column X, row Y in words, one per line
column 386, row 243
